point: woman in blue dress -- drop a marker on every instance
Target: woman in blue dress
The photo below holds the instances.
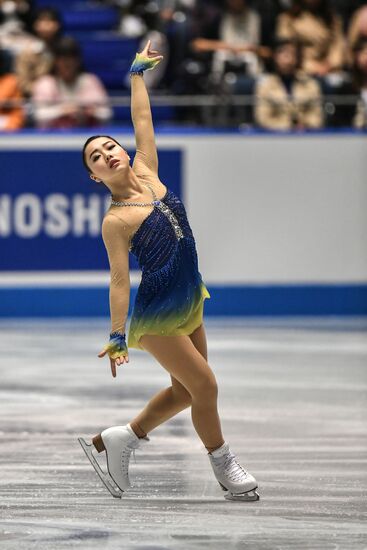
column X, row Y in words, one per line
column 147, row 219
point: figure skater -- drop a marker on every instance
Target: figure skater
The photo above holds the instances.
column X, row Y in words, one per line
column 150, row 221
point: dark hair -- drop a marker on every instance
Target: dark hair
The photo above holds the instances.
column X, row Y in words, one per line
column 67, row 46
column 88, row 141
column 49, row 13
column 282, row 43
column 356, row 72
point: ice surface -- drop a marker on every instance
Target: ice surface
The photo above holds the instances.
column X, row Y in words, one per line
column 293, row 406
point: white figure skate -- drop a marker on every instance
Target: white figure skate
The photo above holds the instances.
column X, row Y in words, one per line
column 118, row 442
column 231, row 476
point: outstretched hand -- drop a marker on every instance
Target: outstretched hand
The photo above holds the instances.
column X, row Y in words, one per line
column 114, row 362
column 152, row 54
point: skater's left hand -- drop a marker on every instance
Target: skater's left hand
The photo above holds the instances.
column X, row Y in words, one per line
column 153, row 55
column 114, row 362
column 145, row 60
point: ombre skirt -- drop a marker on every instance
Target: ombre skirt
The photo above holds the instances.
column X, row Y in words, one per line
column 169, row 301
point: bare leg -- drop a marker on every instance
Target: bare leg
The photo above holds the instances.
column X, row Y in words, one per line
column 198, row 338
column 163, row 405
column 170, row 401
column 179, row 356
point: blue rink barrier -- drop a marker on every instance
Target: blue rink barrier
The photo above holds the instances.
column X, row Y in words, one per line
column 51, row 214
column 246, row 300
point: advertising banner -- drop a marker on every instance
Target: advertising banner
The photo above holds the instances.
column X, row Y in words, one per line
column 51, row 211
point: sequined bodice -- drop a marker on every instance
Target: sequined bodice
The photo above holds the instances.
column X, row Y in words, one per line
column 157, row 238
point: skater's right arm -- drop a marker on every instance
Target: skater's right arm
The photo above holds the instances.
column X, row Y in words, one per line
column 146, row 158
column 115, row 234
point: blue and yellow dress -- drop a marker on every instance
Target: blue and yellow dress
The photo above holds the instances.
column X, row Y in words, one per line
column 171, row 294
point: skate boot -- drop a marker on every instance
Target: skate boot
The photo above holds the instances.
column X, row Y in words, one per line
column 231, row 476
column 118, row 442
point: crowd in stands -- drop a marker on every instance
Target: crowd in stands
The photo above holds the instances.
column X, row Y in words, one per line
column 298, row 64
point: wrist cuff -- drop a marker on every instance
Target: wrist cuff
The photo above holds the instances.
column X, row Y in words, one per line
column 116, row 347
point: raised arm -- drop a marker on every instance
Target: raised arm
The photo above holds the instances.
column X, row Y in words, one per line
column 141, row 115
column 115, row 233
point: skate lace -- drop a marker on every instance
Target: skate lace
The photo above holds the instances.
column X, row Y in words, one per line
column 231, row 467
column 126, row 452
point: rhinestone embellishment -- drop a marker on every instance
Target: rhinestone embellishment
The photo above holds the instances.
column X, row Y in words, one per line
column 172, row 218
column 120, row 203
column 162, row 207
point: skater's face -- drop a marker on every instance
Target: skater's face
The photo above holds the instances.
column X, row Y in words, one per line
column 106, row 159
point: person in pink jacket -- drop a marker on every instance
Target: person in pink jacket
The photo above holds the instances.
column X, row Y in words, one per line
column 68, row 97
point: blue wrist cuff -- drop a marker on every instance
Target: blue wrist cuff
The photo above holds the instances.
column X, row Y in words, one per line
column 117, row 345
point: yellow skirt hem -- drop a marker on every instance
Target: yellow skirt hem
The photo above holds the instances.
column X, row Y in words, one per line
column 190, row 326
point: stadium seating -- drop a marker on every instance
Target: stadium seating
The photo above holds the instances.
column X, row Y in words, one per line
column 108, row 56
column 84, row 16
column 105, row 53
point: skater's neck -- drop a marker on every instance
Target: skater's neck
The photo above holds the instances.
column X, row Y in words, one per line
column 127, row 189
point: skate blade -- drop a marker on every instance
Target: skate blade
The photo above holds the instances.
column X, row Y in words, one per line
column 250, row 496
column 105, row 478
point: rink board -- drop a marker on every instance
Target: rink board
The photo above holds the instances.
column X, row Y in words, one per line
column 279, row 222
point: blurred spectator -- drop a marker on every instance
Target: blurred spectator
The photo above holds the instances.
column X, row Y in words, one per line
column 288, row 98
column 69, row 97
column 132, row 24
column 188, row 69
column 234, row 39
column 15, row 12
column 360, row 82
column 142, row 20
column 14, row 24
column 33, row 63
column 11, row 115
column 320, row 32
column 170, row 24
column 357, row 28
column 346, row 8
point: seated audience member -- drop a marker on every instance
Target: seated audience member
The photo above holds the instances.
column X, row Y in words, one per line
column 319, row 30
column 14, row 25
column 360, row 82
column 11, row 115
column 69, row 97
column 288, row 98
column 33, row 63
column 234, row 38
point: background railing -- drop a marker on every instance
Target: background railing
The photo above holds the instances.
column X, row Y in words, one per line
column 221, row 109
